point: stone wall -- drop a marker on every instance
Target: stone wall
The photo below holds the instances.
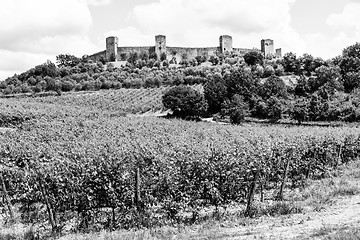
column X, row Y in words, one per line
column 242, row 51
column 115, row 53
column 98, row 56
column 127, row 50
column 190, row 53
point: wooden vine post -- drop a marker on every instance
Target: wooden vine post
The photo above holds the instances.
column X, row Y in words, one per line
column 280, row 195
column 49, row 209
column 137, row 187
column 252, row 193
column 7, row 198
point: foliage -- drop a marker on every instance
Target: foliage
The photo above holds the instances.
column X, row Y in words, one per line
column 80, row 159
column 215, row 92
column 236, row 109
column 291, row 63
column 299, row 111
column 273, row 87
column 351, row 81
column 184, row 101
column 67, row 60
column 274, row 109
column 253, row 57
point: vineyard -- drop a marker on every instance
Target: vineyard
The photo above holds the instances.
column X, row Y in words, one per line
column 71, row 162
column 126, row 100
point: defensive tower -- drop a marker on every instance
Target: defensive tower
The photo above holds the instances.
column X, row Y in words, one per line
column 225, row 43
column 160, row 45
column 278, row 53
column 267, row 47
column 111, row 48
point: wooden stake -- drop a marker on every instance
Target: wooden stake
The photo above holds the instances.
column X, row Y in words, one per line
column 7, row 198
column 52, row 219
column 280, row 195
column 251, row 193
column 137, row 187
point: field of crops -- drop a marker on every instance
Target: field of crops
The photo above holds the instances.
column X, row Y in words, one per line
column 126, row 100
column 71, row 164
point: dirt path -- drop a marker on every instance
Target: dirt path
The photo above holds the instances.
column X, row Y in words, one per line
column 344, row 212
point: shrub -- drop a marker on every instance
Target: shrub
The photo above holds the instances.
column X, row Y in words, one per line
column 236, row 109
column 185, row 102
column 151, row 82
column 299, row 111
column 274, row 86
column 253, row 57
column 274, row 110
column 215, row 93
column 268, row 71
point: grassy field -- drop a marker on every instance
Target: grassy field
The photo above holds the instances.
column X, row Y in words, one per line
column 94, row 168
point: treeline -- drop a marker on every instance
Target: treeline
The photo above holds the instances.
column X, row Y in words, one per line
column 141, row 71
column 321, row 91
column 234, row 86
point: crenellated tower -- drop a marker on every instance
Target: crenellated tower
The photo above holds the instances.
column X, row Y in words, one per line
column 267, row 47
column 160, row 45
column 225, row 44
column 111, row 48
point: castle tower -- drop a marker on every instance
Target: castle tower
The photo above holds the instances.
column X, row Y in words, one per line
column 111, row 48
column 267, row 47
column 160, row 45
column 225, row 43
column 278, row 53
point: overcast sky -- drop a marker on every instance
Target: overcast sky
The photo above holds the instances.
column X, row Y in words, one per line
column 33, row 31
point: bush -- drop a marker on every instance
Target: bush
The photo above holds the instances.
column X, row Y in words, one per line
column 274, row 86
column 185, row 102
column 253, row 57
column 299, row 111
column 274, row 110
column 215, row 93
column 236, row 109
column 268, row 71
column 151, row 82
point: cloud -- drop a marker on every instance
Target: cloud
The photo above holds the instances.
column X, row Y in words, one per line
column 11, row 63
column 201, row 22
column 31, row 21
column 34, row 31
column 348, row 18
column 99, row 2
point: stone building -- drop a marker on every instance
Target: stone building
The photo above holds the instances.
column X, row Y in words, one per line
column 114, row 52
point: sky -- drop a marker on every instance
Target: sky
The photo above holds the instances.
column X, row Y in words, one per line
column 34, row 31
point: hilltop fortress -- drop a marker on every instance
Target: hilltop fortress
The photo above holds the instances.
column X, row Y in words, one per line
column 114, row 52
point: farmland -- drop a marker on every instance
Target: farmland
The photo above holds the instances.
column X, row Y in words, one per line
column 76, row 161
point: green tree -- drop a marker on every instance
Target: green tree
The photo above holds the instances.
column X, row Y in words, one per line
column 299, row 110
column 133, row 56
column 327, row 77
column 236, row 109
column 274, row 86
column 274, row 109
column 67, row 60
column 351, row 81
column 350, row 59
column 239, row 82
column 185, row 102
column 254, row 57
column 215, row 92
column 302, row 87
column 291, row 63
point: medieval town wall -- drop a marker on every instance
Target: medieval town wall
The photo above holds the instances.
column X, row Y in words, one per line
column 115, row 53
column 190, row 53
